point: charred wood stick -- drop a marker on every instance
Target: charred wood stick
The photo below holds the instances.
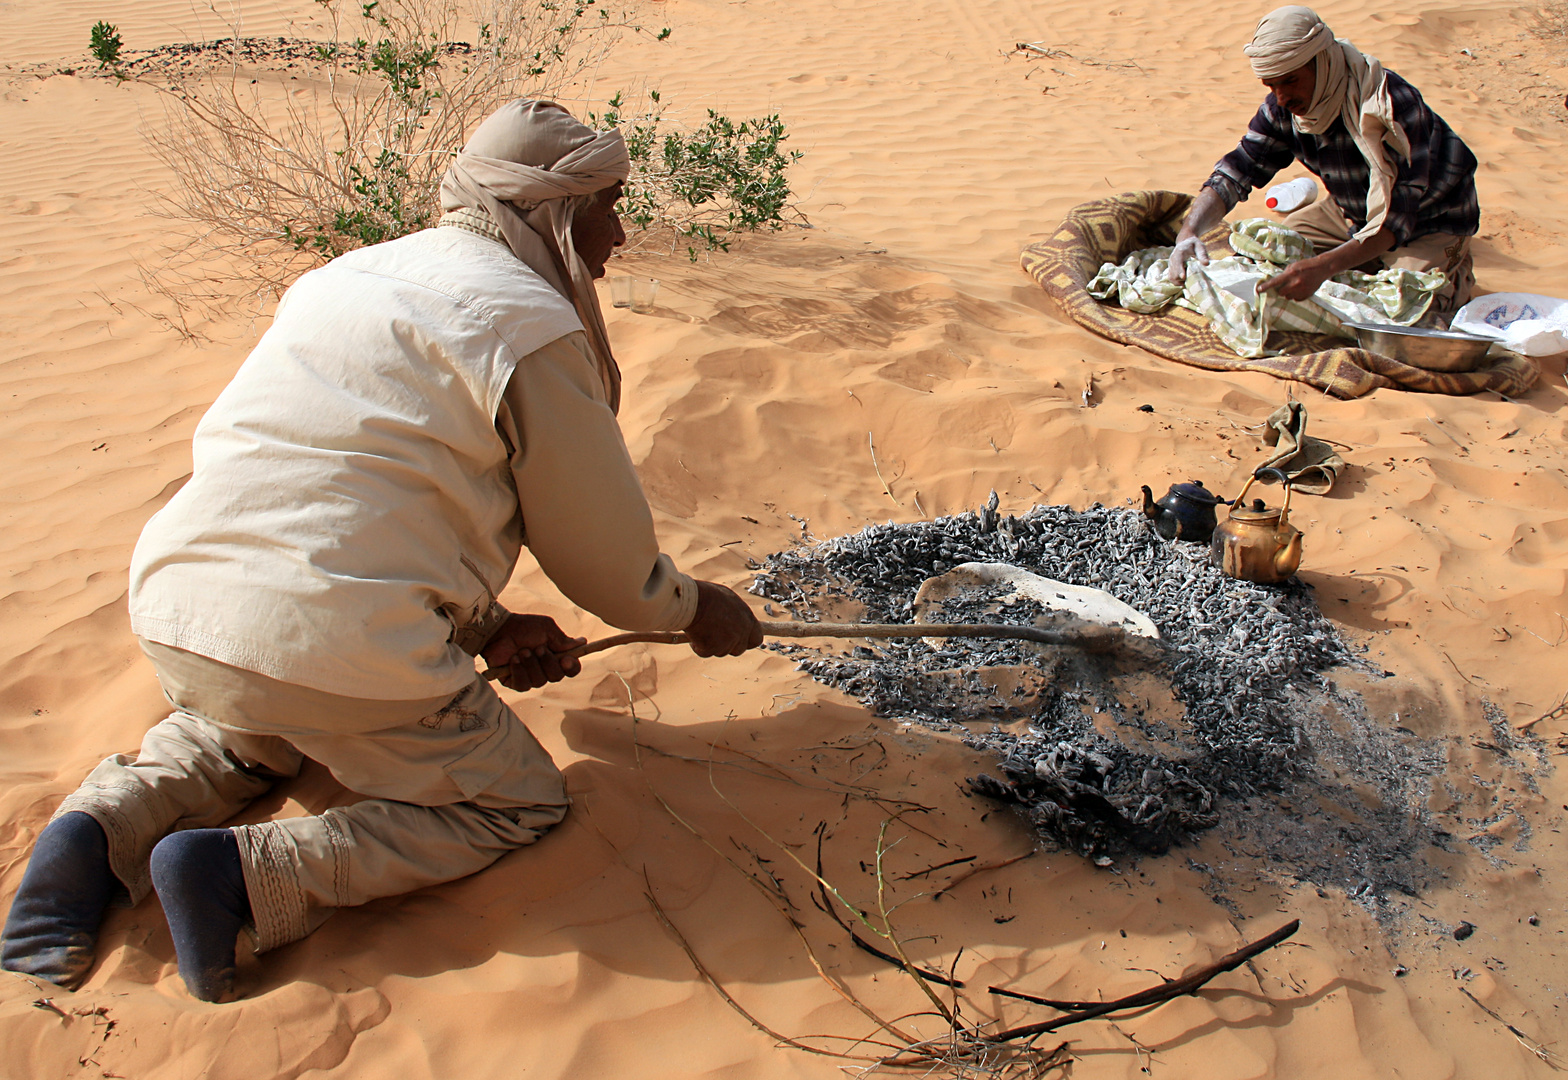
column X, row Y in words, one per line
column 1065, row 1006
column 939, row 866
column 1168, row 991
column 925, row 973
column 1091, row 637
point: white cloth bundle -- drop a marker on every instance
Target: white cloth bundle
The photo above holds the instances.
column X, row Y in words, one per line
column 1524, row 323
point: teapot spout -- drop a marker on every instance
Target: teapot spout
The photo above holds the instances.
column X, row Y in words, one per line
column 1289, row 558
column 1151, row 509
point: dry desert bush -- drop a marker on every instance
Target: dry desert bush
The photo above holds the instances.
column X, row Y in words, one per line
column 272, row 177
column 270, row 180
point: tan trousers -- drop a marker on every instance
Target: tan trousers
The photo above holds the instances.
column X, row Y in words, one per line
column 1325, row 225
column 453, row 784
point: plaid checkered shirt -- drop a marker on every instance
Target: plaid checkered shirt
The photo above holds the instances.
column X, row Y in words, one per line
column 1434, row 192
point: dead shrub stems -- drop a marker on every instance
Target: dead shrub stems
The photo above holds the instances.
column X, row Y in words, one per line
column 966, row 1048
column 269, row 179
column 961, row 1052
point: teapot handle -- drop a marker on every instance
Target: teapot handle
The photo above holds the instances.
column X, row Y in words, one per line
column 1240, row 499
column 1279, row 476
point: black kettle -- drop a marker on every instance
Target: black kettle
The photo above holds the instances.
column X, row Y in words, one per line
column 1185, row 513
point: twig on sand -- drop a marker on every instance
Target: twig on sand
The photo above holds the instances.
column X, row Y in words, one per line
column 860, row 942
column 1455, row 666
column 707, row 977
column 1035, row 50
column 965, row 1050
column 1542, row 640
column 1445, row 431
column 780, row 902
column 886, row 915
column 959, row 1051
column 938, row 866
column 1556, row 712
column 1087, row 1010
column 1524, row 1040
column 1139, row 1049
column 961, row 878
column 886, row 489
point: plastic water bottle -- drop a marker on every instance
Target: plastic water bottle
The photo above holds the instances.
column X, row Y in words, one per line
column 1292, row 195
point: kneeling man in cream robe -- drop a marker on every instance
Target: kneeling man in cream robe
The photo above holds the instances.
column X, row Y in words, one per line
column 418, row 411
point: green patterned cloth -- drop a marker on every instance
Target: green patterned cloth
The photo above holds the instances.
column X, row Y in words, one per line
column 1226, row 290
column 1267, row 241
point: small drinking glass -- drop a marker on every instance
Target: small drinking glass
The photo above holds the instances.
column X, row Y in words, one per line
column 644, row 290
column 621, row 291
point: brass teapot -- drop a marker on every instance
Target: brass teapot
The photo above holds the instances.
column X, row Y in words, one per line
column 1256, row 542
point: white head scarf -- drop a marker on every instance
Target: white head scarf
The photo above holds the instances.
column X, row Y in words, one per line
column 1351, row 87
column 522, row 166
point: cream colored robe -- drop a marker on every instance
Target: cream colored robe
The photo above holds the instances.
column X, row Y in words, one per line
column 362, row 488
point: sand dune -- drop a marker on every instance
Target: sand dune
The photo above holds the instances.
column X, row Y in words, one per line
column 756, row 394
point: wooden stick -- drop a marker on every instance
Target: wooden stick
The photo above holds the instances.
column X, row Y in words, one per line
column 1175, row 988
column 1090, row 637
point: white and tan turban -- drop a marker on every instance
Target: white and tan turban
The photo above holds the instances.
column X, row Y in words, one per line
column 523, row 166
column 1350, row 86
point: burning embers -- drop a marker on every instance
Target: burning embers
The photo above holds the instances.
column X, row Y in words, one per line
column 1131, row 751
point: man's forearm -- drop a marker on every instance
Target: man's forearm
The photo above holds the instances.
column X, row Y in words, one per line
column 1208, row 209
column 1352, row 253
column 583, row 509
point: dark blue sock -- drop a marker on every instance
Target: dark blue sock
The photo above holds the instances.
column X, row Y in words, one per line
column 52, row 931
column 202, row 887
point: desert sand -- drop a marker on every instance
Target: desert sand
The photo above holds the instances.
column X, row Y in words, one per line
column 933, row 154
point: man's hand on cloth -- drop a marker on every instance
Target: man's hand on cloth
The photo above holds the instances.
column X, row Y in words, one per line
column 1301, row 279
column 530, row 650
column 724, row 624
column 1188, row 249
column 1207, row 211
column 1298, row 281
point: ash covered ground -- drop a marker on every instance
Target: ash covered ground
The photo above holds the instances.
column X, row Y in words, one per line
column 1236, row 720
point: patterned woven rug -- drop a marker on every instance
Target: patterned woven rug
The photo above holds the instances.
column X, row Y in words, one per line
column 1107, row 230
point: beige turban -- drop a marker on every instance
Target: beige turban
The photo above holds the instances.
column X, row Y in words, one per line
column 1350, row 87
column 522, row 166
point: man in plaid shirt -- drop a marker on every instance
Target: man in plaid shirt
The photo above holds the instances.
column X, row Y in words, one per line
column 1401, row 184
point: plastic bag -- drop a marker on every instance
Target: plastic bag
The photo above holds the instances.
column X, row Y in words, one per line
column 1524, row 323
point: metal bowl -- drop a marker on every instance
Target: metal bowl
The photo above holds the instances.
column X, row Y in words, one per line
column 1434, row 350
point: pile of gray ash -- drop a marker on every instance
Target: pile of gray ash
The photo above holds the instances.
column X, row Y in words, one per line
column 1107, row 755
